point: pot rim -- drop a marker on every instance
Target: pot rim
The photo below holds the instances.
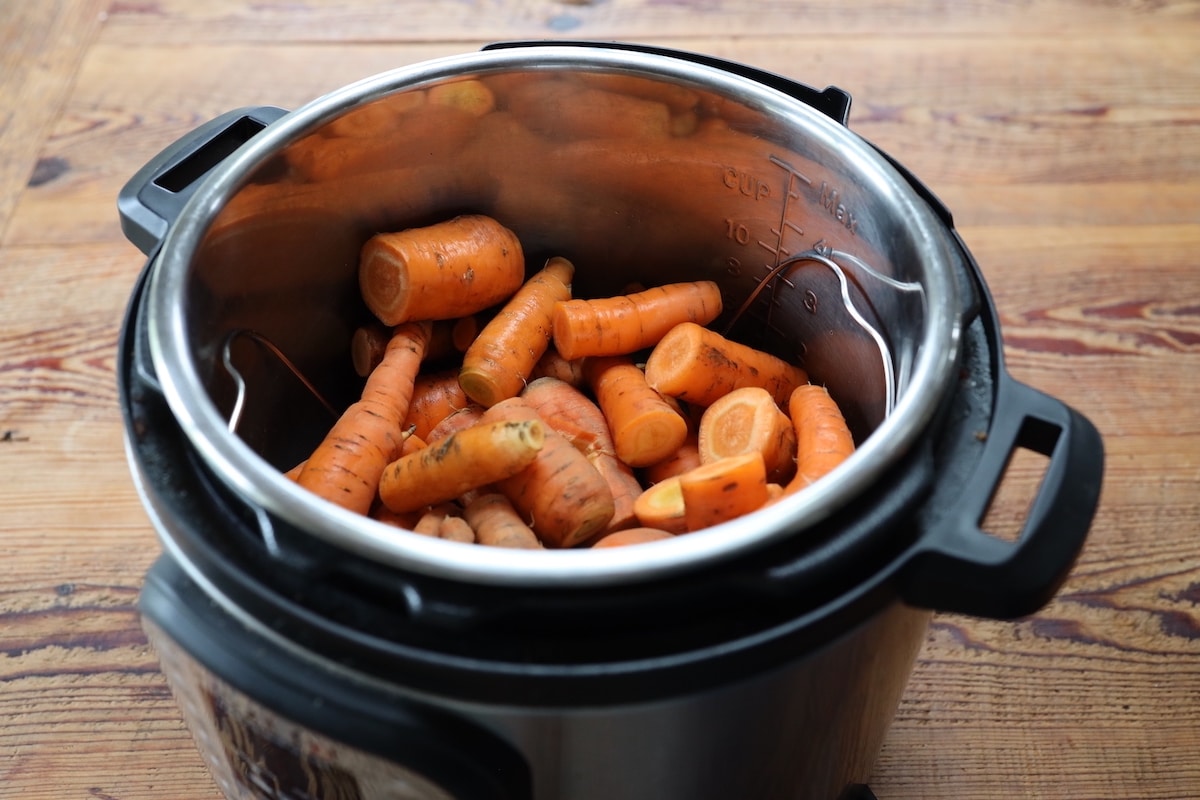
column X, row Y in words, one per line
column 268, row 492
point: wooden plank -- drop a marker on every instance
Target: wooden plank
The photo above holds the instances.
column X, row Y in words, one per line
column 41, row 45
column 970, row 133
column 182, row 22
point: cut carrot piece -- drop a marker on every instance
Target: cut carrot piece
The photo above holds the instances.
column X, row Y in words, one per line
column 823, row 440
column 748, row 420
column 627, row 323
column 367, row 346
column 661, row 506
column 562, row 494
column 442, row 271
column 346, row 466
column 467, row 459
column 723, row 490
column 645, row 428
column 497, row 524
column 698, row 365
column 497, row 364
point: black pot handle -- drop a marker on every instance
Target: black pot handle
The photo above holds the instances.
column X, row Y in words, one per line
column 152, row 199
column 958, row 567
column 830, row 101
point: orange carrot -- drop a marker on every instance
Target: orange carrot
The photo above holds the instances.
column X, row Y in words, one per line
column 497, row 524
column 464, row 331
column 367, row 346
column 436, row 395
column 456, row 529
column 698, row 365
column 573, row 414
column 722, row 490
column 645, row 428
column 455, row 421
column 442, row 271
column 747, row 420
column 429, row 519
column 632, row 536
column 562, row 494
column 345, row 468
column 661, row 506
column 627, row 323
column 497, row 364
column 385, row 515
column 294, row 473
column 553, row 365
column 822, row 438
column 683, row 459
column 467, row 459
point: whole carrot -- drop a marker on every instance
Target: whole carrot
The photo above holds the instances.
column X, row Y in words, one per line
column 470, row 458
column 442, row 271
column 497, row 524
column 645, row 428
column 346, row 466
column 624, row 324
column 499, row 361
column 699, row 365
column 562, row 494
column 823, row 439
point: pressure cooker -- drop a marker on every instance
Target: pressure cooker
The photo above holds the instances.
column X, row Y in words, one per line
column 317, row 653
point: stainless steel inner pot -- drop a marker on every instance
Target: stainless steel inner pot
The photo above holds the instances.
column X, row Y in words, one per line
column 639, row 168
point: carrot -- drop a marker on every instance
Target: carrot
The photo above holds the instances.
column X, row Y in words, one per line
column 698, row 365
column 436, row 395
column 497, row 524
column 632, row 536
column 456, row 529
column 467, row 459
column 645, row 428
column 661, row 506
column 346, row 466
column 383, row 514
column 375, row 119
column 497, row 364
column 574, row 415
column 441, row 271
column 722, row 490
column 748, row 420
column 429, row 520
column 294, row 473
column 822, row 438
column 455, row 421
column 367, row 346
column 465, row 330
column 683, row 459
column 623, row 324
column 369, row 341
column 562, row 494
column 553, row 365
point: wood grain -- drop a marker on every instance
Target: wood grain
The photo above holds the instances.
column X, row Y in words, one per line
column 1064, row 136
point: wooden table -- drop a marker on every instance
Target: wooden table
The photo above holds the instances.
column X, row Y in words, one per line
column 1064, row 135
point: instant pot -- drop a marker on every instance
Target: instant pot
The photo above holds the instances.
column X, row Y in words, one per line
column 319, row 654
